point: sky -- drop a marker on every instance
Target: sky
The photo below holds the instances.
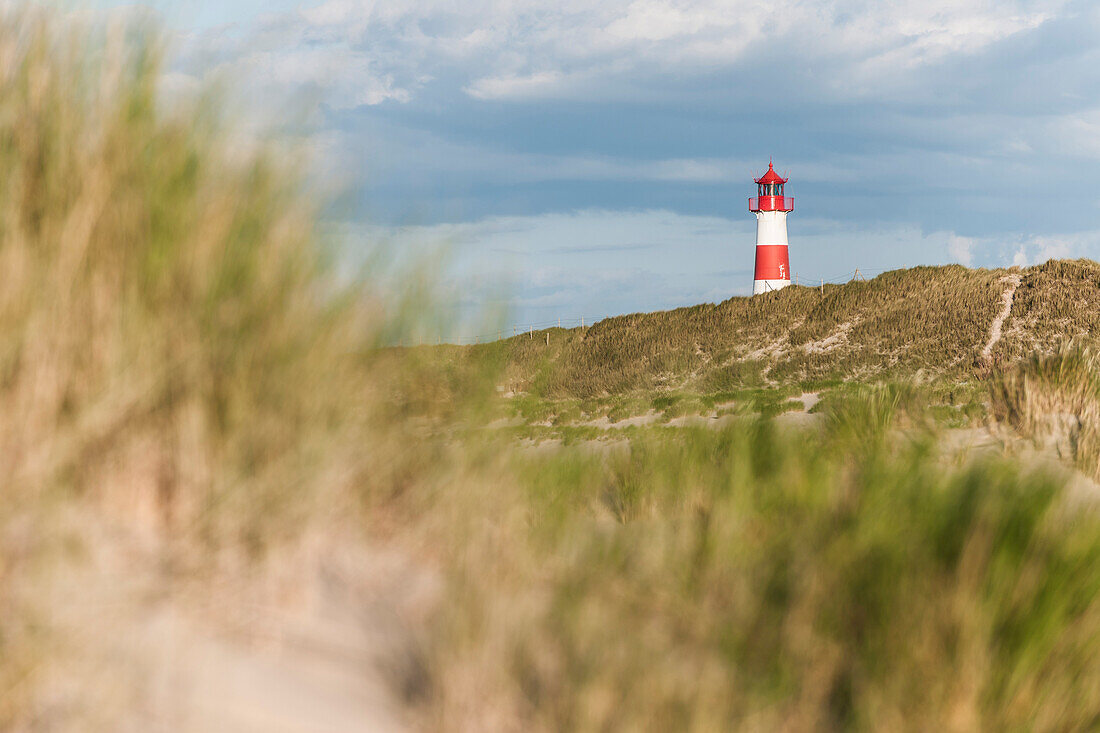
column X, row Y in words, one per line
column 593, row 158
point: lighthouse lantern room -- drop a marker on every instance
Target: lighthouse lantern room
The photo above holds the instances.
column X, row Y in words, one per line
column 773, row 267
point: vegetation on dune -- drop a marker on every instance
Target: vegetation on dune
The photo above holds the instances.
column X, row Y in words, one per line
column 925, row 319
column 185, row 386
column 174, row 355
column 159, row 298
column 747, row 579
column 1057, row 302
column 929, row 323
column 1054, row 399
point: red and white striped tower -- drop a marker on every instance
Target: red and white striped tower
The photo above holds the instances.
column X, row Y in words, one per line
column 773, row 267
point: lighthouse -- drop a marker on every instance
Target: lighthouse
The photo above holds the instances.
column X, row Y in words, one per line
column 773, row 268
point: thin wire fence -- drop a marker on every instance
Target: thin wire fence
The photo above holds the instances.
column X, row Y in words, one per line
column 530, row 329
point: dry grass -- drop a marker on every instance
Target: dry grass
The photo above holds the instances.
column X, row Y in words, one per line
column 746, row 579
column 1057, row 302
column 1055, row 400
column 925, row 320
column 174, row 356
column 928, row 323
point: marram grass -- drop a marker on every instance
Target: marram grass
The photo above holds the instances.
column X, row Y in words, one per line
column 751, row 579
column 921, row 323
column 1054, row 399
column 173, row 352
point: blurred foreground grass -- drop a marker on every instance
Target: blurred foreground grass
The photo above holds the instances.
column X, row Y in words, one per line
column 180, row 372
column 176, row 359
column 755, row 579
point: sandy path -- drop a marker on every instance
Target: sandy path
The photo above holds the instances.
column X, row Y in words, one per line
column 998, row 322
column 329, row 643
column 318, row 678
column 808, row 400
column 343, row 659
column 636, row 420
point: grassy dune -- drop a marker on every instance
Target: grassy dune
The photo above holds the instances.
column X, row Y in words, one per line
column 924, row 322
column 189, row 398
column 1056, row 302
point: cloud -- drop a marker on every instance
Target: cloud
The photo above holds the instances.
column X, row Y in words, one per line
column 1020, row 258
column 1038, row 249
column 529, row 86
column 525, row 49
column 961, row 248
column 1077, row 134
column 575, row 138
column 501, row 107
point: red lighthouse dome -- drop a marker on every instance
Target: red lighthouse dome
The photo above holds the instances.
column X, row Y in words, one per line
column 770, row 193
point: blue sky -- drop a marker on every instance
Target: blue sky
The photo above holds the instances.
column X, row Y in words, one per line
column 582, row 158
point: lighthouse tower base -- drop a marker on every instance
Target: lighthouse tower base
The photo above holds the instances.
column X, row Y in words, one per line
column 760, row 287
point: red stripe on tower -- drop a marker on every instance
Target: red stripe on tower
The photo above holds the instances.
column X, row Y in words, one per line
column 772, row 262
column 771, row 206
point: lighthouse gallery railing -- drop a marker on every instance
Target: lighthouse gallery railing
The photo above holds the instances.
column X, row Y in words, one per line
column 771, row 203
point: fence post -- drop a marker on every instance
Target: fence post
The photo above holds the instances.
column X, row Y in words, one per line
column 582, row 321
column 547, row 338
column 822, row 286
column 530, row 332
column 559, row 321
